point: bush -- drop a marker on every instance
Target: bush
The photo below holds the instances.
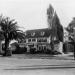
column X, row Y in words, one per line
column 32, row 50
column 19, row 50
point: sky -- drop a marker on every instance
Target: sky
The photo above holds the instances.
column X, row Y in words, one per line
column 32, row 14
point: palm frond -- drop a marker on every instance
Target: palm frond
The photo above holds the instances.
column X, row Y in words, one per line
column 11, row 29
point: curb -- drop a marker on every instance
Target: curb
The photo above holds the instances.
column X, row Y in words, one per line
column 41, row 67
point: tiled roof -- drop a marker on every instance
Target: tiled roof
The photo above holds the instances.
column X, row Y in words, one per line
column 38, row 33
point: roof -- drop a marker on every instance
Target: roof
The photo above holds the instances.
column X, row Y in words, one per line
column 38, row 33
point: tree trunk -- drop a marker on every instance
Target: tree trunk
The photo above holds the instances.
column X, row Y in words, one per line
column 52, row 43
column 0, row 47
column 7, row 51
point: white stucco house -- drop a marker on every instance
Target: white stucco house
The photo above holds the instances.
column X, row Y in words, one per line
column 40, row 39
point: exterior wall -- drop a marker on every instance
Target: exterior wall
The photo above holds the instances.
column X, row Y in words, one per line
column 43, row 45
column 66, row 34
column 61, row 47
column 28, row 49
column 49, row 39
column 37, row 44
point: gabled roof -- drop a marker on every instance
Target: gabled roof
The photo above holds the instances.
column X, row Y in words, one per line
column 38, row 33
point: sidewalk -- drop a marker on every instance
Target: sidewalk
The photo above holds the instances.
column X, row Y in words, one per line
column 34, row 64
column 68, row 56
column 44, row 56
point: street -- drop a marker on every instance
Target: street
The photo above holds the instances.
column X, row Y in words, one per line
column 39, row 72
column 16, row 65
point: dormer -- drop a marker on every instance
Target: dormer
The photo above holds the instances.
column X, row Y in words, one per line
column 33, row 34
column 42, row 33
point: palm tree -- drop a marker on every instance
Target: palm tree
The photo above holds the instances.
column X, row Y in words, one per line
column 10, row 31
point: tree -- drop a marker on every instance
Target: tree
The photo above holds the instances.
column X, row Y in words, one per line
column 10, row 31
column 55, row 25
column 58, row 28
column 50, row 15
column 71, row 29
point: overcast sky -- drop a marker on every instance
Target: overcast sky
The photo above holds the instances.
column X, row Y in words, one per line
column 31, row 14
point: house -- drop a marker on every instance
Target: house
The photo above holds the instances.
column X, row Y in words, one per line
column 39, row 39
column 68, row 45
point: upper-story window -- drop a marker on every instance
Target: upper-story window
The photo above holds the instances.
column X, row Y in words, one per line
column 45, row 40
column 29, row 40
column 33, row 34
column 38, row 40
column 33, row 40
column 24, row 41
column 42, row 40
column 42, row 33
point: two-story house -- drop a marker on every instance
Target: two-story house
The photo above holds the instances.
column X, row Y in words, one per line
column 39, row 39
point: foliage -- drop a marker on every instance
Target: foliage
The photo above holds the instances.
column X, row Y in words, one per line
column 71, row 26
column 71, row 29
column 54, row 23
column 50, row 14
column 19, row 50
column 58, row 28
column 10, row 30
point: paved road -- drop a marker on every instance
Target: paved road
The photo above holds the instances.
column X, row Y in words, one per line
column 21, row 66
column 39, row 72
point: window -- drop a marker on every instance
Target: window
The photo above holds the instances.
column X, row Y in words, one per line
column 33, row 40
column 42, row 40
column 38, row 40
column 29, row 40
